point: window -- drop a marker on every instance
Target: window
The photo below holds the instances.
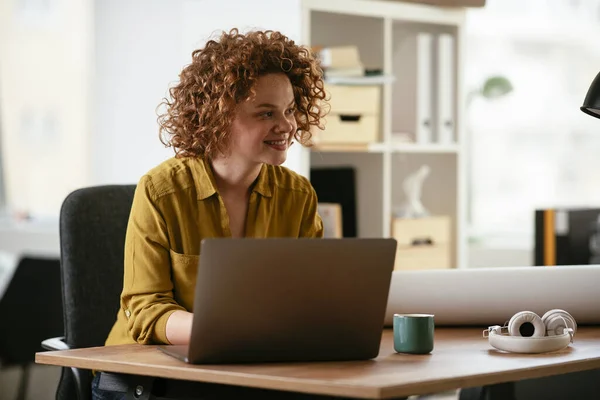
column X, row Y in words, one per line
column 532, row 147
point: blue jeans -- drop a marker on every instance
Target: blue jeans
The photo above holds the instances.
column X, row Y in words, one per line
column 215, row 391
column 99, row 394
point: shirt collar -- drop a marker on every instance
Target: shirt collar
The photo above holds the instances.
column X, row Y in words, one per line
column 206, row 185
column 263, row 182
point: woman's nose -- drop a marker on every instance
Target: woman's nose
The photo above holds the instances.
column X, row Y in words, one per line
column 285, row 125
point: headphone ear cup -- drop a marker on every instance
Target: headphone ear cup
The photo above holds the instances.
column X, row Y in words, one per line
column 557, row 320
column 526, row 324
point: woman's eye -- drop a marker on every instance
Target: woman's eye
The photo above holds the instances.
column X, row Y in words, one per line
column 291, row 111
column 268, row 114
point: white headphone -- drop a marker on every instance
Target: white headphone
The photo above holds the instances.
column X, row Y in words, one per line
column 526, row 332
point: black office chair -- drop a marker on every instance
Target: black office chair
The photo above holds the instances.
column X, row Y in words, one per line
column 93, row 222
column 31, row 310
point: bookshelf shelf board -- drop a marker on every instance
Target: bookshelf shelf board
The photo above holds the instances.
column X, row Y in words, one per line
column 360, row 80
column 424, row 148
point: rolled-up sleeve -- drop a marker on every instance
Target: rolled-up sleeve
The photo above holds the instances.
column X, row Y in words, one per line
column 312, row 224
column 147, row 297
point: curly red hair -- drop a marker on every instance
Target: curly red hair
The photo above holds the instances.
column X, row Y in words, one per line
column 222, row 74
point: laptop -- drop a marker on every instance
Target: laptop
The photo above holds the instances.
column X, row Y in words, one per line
column 288, row 300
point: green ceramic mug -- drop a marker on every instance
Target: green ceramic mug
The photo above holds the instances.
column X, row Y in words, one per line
column 413, row 333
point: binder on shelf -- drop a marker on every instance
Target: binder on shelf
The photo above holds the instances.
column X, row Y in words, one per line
column 412, row 89
column 338, row 185
column 424, row 87
column 562, row 236
column 445, row 94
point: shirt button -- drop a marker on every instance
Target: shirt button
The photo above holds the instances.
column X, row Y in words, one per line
column 127, row 313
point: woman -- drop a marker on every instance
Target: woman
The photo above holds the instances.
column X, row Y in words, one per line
column 237, row 109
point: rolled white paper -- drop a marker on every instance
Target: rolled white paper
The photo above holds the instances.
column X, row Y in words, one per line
column 490, row 296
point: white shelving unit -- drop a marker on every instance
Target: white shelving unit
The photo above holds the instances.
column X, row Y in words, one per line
column 376, row 27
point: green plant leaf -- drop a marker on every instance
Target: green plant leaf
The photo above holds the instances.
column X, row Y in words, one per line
column 496, row 86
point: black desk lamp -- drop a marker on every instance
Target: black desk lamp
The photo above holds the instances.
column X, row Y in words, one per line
column 591, row 104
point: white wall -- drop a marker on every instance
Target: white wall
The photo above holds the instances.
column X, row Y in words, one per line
column 138, row 54
column 202, row 18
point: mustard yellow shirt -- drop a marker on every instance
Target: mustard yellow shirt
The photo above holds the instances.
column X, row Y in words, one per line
column 175, row 206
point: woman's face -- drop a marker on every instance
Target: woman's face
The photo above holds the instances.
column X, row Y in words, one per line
column 264, row 126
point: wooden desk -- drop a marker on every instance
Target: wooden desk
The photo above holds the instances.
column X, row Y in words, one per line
column 461, row 358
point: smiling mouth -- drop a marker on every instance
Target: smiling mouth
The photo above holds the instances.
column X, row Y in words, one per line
column 276, row 142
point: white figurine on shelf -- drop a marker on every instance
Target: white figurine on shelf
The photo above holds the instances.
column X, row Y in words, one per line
column 413, row 185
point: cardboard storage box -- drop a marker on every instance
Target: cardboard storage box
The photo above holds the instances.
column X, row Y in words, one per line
column 353, row 117
column 423, row 243
column 331, row 215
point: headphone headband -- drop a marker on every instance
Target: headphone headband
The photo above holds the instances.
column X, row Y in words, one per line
column 530, row 345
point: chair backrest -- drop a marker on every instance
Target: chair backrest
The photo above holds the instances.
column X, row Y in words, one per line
column 93, row 223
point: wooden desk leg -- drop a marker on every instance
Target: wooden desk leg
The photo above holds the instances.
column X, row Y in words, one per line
column 499, row 391
column 139, row 388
